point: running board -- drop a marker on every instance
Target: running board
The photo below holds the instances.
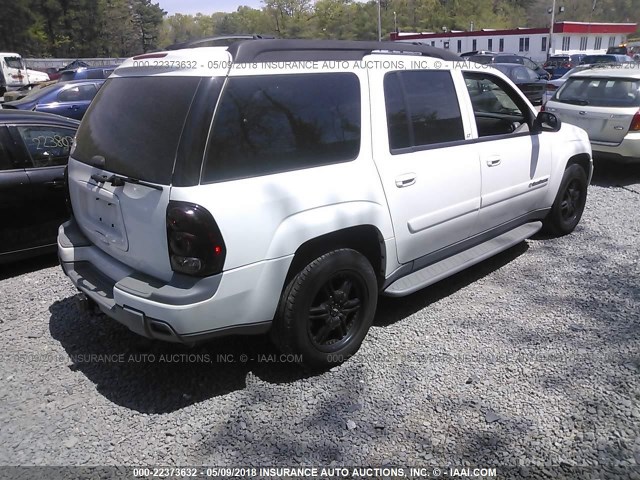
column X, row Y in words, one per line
column 447, row 267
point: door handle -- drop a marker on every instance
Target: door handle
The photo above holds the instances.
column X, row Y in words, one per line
column 55, row 183
column 405, row 180
column 494, row 161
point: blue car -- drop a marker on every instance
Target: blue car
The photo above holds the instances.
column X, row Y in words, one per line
column 69, row 99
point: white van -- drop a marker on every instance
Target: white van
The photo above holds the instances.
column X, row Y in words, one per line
column 14, row 74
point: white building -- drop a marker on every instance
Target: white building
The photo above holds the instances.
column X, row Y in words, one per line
column 568, row 37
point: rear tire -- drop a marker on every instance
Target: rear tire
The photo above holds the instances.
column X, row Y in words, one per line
column 326, row 310
column 570, row 201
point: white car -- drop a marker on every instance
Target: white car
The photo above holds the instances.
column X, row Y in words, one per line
column 289, row 182
column 606, row 103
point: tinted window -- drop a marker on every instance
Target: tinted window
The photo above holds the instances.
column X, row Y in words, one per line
column 482, row 59
column 5, row 160
column 47, row 146
column 275, row 123
column 422, row 109
column 78, row 93
column 599, row 59
column 508, row 59
column 600, row 92
column 135, row 124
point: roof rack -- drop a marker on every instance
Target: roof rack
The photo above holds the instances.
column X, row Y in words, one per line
column 225, row 40
column 319, row 50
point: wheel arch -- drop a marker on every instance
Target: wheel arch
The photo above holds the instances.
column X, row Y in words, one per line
column 366, row 239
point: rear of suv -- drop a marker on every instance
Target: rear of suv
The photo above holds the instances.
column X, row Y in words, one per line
column 280, row 185
column 606, row 103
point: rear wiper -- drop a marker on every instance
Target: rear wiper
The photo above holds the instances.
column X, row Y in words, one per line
column 118, row 181
column 574, row 101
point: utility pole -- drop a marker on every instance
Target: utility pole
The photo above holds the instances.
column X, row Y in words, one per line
column 553, row 20
column 380, row 21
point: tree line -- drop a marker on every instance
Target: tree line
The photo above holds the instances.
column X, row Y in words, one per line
column 121, row 28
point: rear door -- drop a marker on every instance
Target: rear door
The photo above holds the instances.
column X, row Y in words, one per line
column 603, row 106
column 46, row 152
column 430, row 174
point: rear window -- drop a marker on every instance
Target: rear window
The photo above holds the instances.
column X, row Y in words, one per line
column 135, row 123
column 277, row 123
column 66, row 76
column 508, row 59
column 599, row 59
column 481, row 59
column 600, row 92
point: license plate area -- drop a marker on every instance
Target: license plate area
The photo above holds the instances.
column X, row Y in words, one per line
column 105, row 217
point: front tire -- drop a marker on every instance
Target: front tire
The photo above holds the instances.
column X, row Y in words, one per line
column 570, row 201
column 326, row 310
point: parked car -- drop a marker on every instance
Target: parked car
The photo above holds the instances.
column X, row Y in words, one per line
column 287, row 201
column 69, row 99
column 606, row 58
column 606, row 103
column 558, row 65
column 486, row 58
column 531, row 84
column 86, row 73
column 54, row 73
column 34, row 149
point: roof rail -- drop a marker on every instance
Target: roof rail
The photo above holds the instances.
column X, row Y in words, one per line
column 222, row 39
column 319, row 50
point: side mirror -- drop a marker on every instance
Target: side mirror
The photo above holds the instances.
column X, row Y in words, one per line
column 546, row 122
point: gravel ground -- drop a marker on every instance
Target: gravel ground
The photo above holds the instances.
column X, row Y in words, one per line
column 530, row 359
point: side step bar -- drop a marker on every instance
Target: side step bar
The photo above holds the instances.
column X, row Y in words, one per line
column 447, row 267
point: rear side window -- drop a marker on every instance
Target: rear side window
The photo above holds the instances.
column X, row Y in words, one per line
column 422, row 109
column 482, row 59
column 600, row 92
column 135, row 123
column 48, row 146
column 277, row 123
column 78, row 93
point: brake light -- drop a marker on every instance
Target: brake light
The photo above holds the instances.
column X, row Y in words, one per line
column 551, row 87
column 147, row 56
column 635, row 122
column 195, row 243
column 567, row 65
column 542, row 109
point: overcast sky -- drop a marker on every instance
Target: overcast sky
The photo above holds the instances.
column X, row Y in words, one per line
column 205, row 6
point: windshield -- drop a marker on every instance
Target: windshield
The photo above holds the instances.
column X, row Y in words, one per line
column 600, row 92
column 136, row 123
column 14, row 62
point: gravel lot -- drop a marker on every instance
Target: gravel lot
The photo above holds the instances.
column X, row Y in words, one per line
column 530, row 359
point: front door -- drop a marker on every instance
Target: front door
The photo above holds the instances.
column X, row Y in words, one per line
column 515, row 164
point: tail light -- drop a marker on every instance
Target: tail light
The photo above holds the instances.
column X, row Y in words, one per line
column 195, row 243
column 542, row 109
column 567, row 65
column 635, row 122
column 551, row 87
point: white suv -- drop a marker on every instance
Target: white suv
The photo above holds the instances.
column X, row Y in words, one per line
column 281, row 185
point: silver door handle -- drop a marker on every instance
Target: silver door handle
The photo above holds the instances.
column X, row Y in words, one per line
column 494, row 162
column 405, row 180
